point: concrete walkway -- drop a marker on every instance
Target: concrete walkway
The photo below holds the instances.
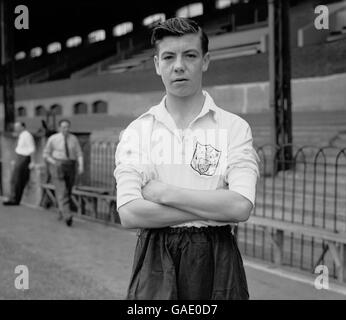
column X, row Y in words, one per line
column 93, row 261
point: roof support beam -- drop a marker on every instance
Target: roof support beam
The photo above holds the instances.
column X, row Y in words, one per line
column 7, row 63
column 280, row 82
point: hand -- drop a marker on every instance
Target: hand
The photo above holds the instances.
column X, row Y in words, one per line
column 154, row 190
column 80, row 170
column 31, row 165
column 52, row 161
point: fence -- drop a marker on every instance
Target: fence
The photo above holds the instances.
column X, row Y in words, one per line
column 102, row 164
column 311, row 193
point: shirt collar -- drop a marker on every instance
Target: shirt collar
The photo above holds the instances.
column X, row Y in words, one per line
column 161, row 114
column 209, row 105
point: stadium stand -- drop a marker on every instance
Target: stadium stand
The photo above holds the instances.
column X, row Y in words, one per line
column 238, row 45
column 60, row 65
column 247, row 36
column 310, row 61
column 336, row 36
column 64, row 63
column 309, row 34
column 244, row 40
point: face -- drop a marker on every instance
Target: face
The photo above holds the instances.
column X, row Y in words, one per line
column 18, row 127
column 181, row 63
column 64, row 127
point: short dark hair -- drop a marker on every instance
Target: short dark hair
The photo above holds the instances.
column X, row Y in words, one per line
column 178, row 27
column 64, row 120
column 22, row 123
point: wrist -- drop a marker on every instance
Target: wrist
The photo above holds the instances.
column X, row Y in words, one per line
column 169, row 193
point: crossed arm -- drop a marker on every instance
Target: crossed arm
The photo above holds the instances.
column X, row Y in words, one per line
column 166, row 205
column 160, row 205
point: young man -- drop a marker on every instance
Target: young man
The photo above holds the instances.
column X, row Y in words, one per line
column 22, row 164
column 186, row 171
column 63, row 153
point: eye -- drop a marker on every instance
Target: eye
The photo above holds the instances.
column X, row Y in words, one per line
column 191, row 55
column 167, row 57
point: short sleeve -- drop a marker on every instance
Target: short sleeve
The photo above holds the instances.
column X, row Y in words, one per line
column 242, row 162
column 131, row 166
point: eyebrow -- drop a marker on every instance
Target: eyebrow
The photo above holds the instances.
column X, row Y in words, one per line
column 185, row 51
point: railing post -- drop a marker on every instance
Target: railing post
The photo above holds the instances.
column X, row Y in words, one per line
column 279, row 244
column 342, row 275
column 84, row 140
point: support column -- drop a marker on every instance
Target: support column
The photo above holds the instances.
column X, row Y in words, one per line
column 7, row 62
column 280, row 83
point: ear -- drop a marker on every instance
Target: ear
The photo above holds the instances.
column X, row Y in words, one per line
column 156, row 62
column 206, row 60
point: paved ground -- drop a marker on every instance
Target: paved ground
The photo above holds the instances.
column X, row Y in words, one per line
column 93, row 261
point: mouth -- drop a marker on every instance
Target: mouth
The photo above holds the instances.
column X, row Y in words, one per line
column 182, row 80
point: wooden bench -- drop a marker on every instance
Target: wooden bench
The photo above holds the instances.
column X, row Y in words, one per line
column 336, row 242
column 86, row 198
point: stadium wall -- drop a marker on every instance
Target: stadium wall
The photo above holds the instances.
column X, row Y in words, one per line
column 308, row 94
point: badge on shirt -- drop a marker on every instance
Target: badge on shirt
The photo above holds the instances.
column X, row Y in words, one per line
column 205, row 159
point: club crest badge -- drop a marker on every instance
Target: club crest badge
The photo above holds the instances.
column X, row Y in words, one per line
column 205, row 159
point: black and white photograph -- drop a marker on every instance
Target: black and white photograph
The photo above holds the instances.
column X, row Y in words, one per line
column 173, row 151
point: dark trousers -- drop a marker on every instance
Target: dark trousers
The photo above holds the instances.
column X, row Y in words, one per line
column 20, row 177
column 63, row 178
column 187, row 263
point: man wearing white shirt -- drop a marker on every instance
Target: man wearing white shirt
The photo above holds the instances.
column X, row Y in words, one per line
column 22, row 164
column 64, row 154
column 186, row 172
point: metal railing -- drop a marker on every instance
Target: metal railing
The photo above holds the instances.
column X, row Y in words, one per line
column 311, row 193
column 102, row 164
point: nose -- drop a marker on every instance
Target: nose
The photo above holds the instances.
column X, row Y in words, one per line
column 179, row 64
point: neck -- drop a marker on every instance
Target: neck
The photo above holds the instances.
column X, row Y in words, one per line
column 184, row 109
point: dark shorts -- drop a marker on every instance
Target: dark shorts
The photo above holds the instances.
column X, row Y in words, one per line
column 187, row 263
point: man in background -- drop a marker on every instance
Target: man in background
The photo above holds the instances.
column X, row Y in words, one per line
column 64, row 154
column 22, row 164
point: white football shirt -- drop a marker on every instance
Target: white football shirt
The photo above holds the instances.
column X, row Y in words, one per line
column 215, row 151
